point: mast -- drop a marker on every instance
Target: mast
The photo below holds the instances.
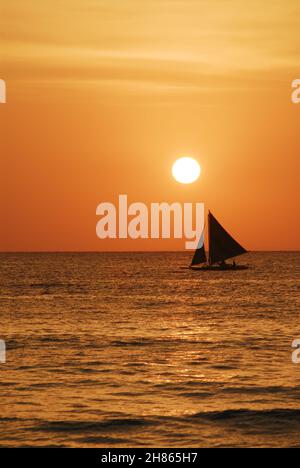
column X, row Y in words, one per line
column 209, row 237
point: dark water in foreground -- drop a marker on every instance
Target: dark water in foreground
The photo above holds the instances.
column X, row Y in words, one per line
column 124, row 350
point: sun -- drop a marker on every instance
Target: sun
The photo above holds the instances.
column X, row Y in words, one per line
column 186, row 170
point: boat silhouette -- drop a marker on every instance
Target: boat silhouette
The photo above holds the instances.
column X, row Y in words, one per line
column 222, row 246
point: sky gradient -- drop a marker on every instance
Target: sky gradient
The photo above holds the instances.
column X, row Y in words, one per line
column 104, row 95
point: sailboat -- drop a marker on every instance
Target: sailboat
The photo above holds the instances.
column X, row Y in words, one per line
column 221, row 247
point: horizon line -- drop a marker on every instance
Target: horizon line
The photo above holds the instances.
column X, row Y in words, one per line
column 133, row 251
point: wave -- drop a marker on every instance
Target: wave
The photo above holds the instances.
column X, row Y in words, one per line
column 98, row 440
column 265, row 416
column 237, row 427
column 258, row 390
column 91, row 426
column 47, row 285
column 246, row 415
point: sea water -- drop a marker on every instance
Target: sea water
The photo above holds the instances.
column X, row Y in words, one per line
column 129, row 349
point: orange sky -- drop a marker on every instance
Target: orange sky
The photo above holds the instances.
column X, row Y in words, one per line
column 103, row 96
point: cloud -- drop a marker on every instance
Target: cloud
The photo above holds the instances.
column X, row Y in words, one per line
column 184, row 44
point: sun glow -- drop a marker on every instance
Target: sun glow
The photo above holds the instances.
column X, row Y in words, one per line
column 186, row 170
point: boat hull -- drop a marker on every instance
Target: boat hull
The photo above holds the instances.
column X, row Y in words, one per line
column 219, row 268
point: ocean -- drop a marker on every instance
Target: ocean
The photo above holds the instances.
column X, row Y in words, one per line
column 131, row 350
